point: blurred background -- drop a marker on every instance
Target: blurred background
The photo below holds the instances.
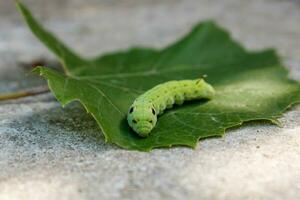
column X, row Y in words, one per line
column 50, row 153
column 93, row 27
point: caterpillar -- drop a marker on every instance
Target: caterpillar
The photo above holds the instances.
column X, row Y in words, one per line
column 142, row 114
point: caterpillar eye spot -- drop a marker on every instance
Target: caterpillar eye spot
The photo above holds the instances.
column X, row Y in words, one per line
column 131, row 110
column 134, row 121
column 153, row 111
column 151, row 121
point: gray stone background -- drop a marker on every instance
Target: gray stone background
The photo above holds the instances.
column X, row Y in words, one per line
column 47, row 152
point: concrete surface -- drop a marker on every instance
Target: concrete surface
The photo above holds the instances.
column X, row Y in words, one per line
column 47, row 152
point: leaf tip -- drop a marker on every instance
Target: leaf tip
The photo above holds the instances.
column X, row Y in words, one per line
column 207, row 22
column 37, row 70
column 20, row 6
column 276, row 122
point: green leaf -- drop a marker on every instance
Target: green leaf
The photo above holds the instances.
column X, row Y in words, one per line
column 250, row 85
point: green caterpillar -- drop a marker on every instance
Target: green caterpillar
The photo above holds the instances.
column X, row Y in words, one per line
column 142, row 114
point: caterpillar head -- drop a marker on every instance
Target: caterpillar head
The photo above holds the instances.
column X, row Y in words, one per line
column 142, row 118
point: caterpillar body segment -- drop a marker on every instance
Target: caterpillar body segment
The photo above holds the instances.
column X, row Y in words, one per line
column 142, row 114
